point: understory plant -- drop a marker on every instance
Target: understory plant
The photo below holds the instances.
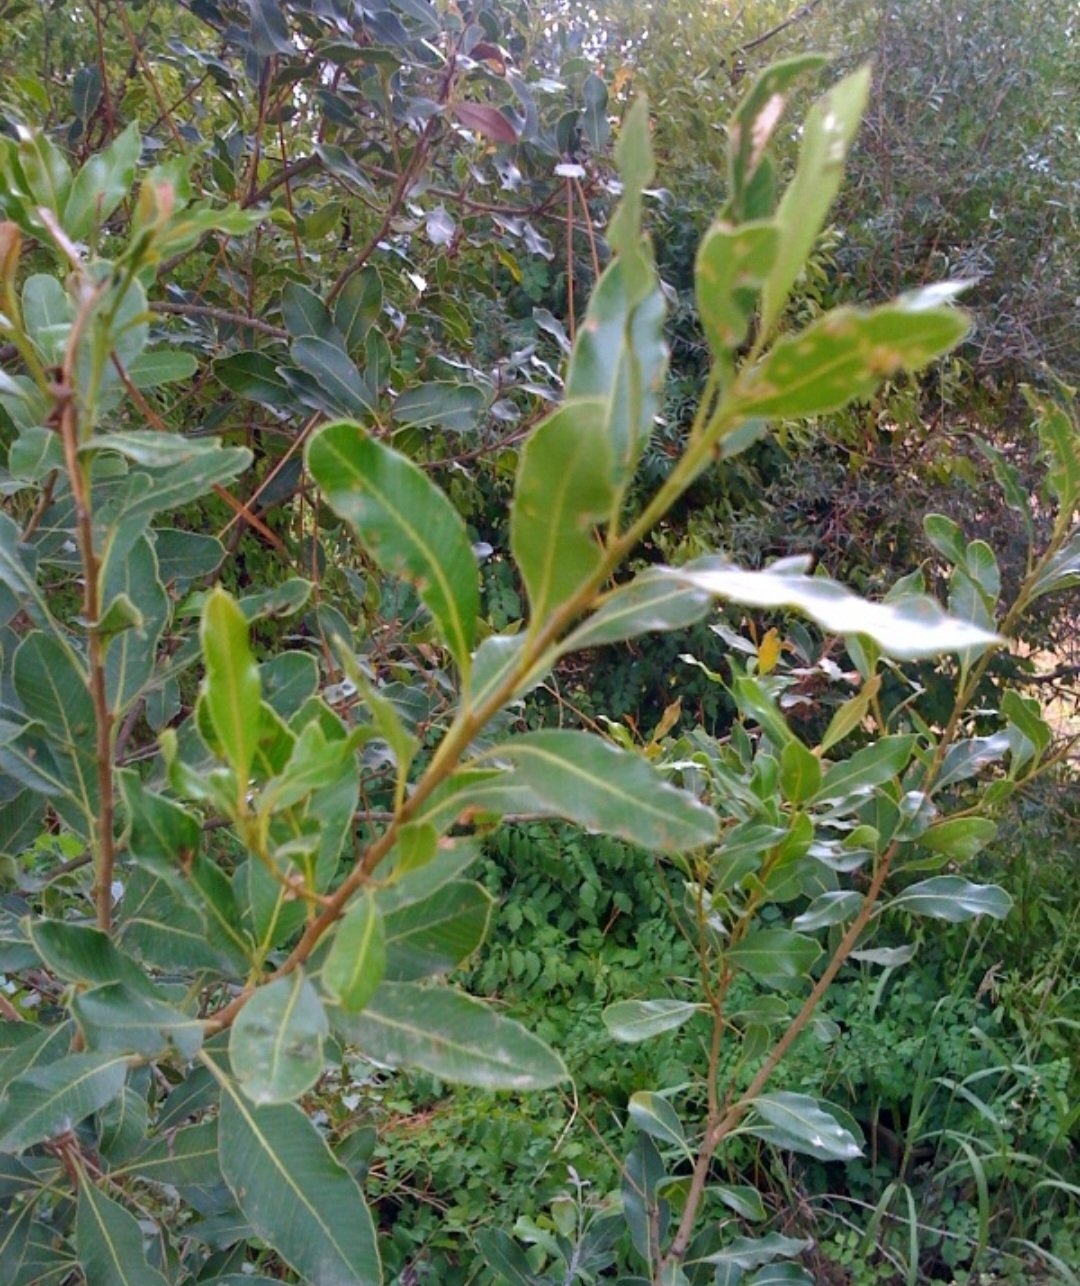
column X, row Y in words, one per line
column 234, row 864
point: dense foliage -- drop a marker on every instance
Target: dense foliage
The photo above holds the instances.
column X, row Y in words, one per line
column 359, row 567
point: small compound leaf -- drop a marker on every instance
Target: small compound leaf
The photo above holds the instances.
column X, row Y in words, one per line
column 451, row 1035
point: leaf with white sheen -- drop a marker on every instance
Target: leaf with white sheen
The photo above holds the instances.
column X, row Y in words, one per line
column 294, row 1193
column 746, row 1253
column 775, row 957
column 952, row 898
column 276, row 1043
column 631, row 1021
column 451, row 1035
column 649, row 603
column 587, row 780
column 51, row 1099
column 109, row 1242
column 232, row 689
column 655, row 1115
column 909, row 628
column 564, row 490
column 406, row 523
column 798, row 1123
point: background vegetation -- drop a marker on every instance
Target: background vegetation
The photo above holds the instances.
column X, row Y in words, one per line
column 396, row 213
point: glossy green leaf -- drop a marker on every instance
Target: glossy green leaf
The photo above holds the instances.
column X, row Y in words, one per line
column 295, row 1195
column 655, row 1115
column 504, row 1255
column 631, row 1021
column 117, row 1018
column 102, row 183
column 799, row 1123
column 958, row 838
column 826, row 909
column 952, row 898
column 438, row 933
column 746, row 1253
column 651, row 602
column 232, row 691
column 741, row 1198
column 1060, row 571
column 343, row 390
column 406, row 523
column 844, row 356
column 908, row 628
column 83, row 954
column 356, row 961
column 872, row 766
column 775, row 957
column 946, row 537
column 589, row 781
column 800, row 773
column 359, row 306
column 564, row 489
column 780, row 1275
column 451, row 1035
column 51, row 1099
column 110, row 1243
column 827, row 134
column 441, row 404
column 276, row 1043
column 253, row 375
column 307, row 317
column 129, row 574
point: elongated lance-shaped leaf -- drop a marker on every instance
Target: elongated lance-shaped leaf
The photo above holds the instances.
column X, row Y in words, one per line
column 631, row 1021
column 357, row 959
column 564, row 489
column 620, row 356
column 232, row 689
column 908, row 628
column 801, row 1124
column 438, row 933
column 649, row 603
column 827, row 135
column 406, row 523
column 587, row 780
column 954, row 899
column 846, row 354
column 109, row 1242
column 294, row 1193
column 453, row 1036
column 52, row 1099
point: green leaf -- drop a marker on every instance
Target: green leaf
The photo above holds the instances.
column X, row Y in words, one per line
column 564, row 488
column 109, row 1242
column 656, row 1116
column 908, row 628
column 741, row 1198
column 651, row 602
column 50, row 1100
column 451, row 1035
column 504, row 1255
column 578, row 776
column 775, row 957
column 946, row 537
column 407, row 524
column 441, row 404
column 438, row 933
column 276, row 1043
column 828, row 908
column 631, row 1021
column 83, row 954
column 731, row 267
column 359, row 306
column 342, row 387
column 255, row 376
column 101, row 185
column 1060, row 440
column 872, row 766
column 161, row 366
column 958, row 838
column 780, row 1275
column 119, row 1019
column 951, row 898
column 47, row 315
column 800, row 773
column 356, row 961
column 799, row 1123
column 294, row 1194
column 129, row 573
column 746, row 1253
column 232, row 690
column 844, row 356
column 827, row 135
